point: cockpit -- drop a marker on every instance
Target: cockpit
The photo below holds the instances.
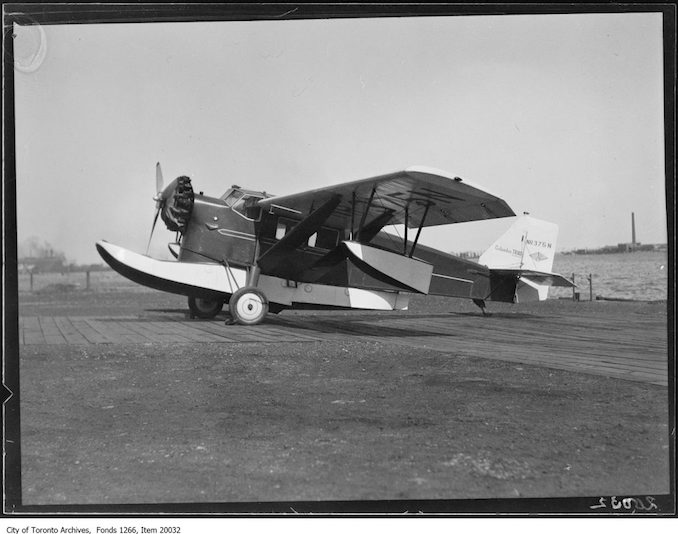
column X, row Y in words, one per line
column 243, row 201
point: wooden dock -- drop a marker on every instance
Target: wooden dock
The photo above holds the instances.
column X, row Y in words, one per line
column 616, row 345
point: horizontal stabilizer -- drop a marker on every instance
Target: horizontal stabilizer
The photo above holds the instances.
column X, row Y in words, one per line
column 539, row 277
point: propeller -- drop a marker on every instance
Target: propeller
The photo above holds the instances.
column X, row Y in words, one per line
column 158, row 180
column 158, row 201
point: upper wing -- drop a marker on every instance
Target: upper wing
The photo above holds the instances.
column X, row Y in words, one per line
column 403, row 197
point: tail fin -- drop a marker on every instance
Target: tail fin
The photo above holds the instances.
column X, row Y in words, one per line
column 525, row 254
column 528, row 244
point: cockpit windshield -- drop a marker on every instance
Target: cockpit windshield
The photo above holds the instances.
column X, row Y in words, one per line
column 241, row 201
column 231, row 196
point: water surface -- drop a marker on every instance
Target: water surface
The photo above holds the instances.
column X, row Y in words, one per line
column 634, row 275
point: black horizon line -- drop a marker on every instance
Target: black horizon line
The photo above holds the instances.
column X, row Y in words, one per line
column 514, row 506
column 31, row 14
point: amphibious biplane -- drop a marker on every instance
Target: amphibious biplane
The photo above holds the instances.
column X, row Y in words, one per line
column 327, row 248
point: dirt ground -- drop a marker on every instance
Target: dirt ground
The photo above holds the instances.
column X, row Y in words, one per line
column 337, row 420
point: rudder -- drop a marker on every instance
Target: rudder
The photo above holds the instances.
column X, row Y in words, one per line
column 522, row 258
column 529, row 244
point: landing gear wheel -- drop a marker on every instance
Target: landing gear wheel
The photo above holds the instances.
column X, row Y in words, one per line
column 248, row 306
column 204, row 308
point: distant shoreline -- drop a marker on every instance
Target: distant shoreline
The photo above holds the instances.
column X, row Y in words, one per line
column 622, row 248
column 472, row 255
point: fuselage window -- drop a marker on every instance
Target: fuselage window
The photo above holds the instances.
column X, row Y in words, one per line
column 327, row 238
column 268, row 226
column 283, row 227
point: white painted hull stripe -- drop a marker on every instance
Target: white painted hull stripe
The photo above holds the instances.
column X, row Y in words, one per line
column 453, row 278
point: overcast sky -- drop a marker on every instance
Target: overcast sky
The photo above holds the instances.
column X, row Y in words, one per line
column 560, row 115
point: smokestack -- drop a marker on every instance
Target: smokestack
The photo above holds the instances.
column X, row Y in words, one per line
column 633, row 228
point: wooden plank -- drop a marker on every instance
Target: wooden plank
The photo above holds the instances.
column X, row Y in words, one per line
column 149, row 334
column 115, row 332
column 69, row 331
column 30, row 332
column 217, row 331
column 89, row 333
column 51, row 332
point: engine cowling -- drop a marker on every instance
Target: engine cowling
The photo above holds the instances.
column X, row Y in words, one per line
column 177, row 204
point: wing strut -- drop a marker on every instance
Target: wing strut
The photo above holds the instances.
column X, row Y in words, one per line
column 372, row 228
column 367, row 209
column 255, row 270
column 298, row 235
column 352, row 212
column 421, row 225
column 407, row 220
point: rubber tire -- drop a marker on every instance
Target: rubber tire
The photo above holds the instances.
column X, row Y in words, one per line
column 205, row 308
column 248, row 306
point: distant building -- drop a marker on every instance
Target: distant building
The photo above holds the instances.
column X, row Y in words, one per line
column 625, row 247
column 634, row 245
column 469, row 255
column 50, row 264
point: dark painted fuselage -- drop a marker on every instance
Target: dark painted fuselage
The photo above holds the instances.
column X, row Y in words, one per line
column 229, row 230
column 217, row 233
